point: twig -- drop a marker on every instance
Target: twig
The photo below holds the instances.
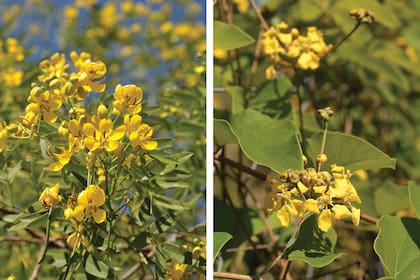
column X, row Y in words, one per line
column 35, row 272
column 237, row 165
column 226, row 275
column 259, row 15
column 131, row 271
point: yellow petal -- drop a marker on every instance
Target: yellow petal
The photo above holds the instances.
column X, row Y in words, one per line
column 355, row 216
column 149, row 145
column 89, row 129
column 96, row 195
column 99, row 216
column 325, row 220
column 312, row 205
column 341, row 211
column 284, row 216
column 79, row 212
column 118, row 133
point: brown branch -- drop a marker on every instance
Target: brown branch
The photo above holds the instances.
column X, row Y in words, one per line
column 368, row 218
column 259, row 15
column 19, row 239
column 241, row 167
column 226, row 275
column 131, row 271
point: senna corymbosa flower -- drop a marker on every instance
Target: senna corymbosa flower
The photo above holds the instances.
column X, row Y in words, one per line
column 50, row 196
column 88, row 203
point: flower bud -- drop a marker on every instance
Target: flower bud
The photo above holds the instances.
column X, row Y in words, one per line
column 326, row 113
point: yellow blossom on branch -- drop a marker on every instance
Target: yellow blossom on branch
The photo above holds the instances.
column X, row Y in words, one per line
column 50, row 196
column 127, row 98
column 139, row 133
column 89, row 202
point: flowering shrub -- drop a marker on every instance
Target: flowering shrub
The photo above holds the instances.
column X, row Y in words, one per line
column 100, row 177
column 297, row 193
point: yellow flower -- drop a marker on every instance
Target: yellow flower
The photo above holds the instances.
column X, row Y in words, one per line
column 3, row 136
column 127, row 98
column 65, row 156
column 44, row 103
column 139, row 133
column 14, row 49
column 285, row 216
column 102, row 136
column 326, row 220
column 76, row 238
column 242, row 5
column 175, row 271
column 89, row 202
column 79, row 60
column 50, row 197
column 12, row 77
column 54, row 68
column 90, row 75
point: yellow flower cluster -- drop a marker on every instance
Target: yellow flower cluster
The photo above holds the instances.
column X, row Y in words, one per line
column 292, row 48
column 10, row 53
column 329, row 195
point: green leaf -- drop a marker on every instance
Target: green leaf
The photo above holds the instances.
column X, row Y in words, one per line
column 268, row 142
column 168, row 185
column 311, row 245
column 271, row 91
column 397, row 246
column 34, row 220
column 11, row 174
column 219, row 240
column 390, row 198
column 172, row 252
column 414, row 195
column 237, row 94
column 223, row 133
column 349, row 151
column 96, row 267
column 230, row 36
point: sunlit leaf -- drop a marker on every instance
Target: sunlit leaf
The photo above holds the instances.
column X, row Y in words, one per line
column 219, row 240
column 397, row 246
column 268, row 142
column 311, row 245
column 414, row 195
column 350, row 151
column 230, row 36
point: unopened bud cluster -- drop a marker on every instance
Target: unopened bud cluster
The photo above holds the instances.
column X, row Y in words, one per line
column 362, row 16
column 326, row 194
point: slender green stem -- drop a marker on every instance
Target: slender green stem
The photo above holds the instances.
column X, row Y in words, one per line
column 342, row 40
column 47, row 236
column 324, row 141
column 270, row 266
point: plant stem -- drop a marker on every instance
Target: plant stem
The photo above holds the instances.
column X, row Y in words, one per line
column 259, row 15
column 342, row 40
column 286, row 270
column 47, row 237
column 324, row 141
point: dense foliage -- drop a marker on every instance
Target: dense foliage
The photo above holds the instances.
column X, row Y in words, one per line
column 102, row 140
